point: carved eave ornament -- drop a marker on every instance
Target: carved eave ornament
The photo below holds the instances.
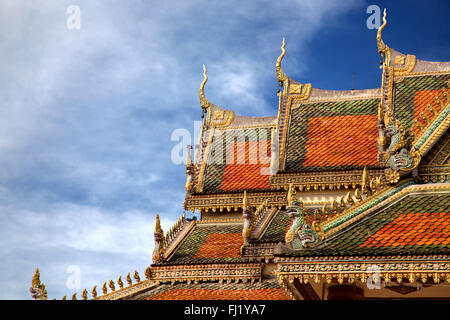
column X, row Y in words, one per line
column 292, row 92
column 290, row 87
column 392, row 151
column 216, row 117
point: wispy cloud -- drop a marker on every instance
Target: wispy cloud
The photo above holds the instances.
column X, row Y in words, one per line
column 86, row 118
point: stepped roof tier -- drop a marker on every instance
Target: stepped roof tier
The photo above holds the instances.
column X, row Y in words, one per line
column 339, row 190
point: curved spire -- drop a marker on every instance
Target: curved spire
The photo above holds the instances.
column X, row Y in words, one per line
column 203, row 101
column 382, row 47
column 157, row 224
column 281, row 76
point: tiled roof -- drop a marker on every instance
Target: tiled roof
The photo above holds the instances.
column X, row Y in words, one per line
column 337, row 135
column 439, row 154
column 267, row 290
column 277, row 228
column 413, row 94
column 418, row 224
column 239, row 160
column 209, row 243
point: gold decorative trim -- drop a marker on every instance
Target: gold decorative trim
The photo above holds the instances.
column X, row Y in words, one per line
column 260, row 231
column 259, row 251
column 206, row 272
column 286, row 124
column 180, row 237
column 127, row 291
column 390, row 200
column 204, row 161
column 228, row 201
column 227, row 119
column 436, row 134
column 269, row 125
column 281, row 76
column 425, row 73
column 316, row 100
column 361, row 269
column 321, row 180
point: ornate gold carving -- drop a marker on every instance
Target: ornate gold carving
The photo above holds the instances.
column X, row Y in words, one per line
column 292, row 195
column 37, row 290
column 94, row 291
column 129, row 281
column 399, row 60
column 281, row 76
column 392, row 176
column 357, row 268
column 218, row 114
column 204, row 160
column 382, row 48
column 203, row 101
column 84, row 294
column 112, row 286
column 120, row 282
column 209, row 272
column 393, row 198
column 214, row 202
column 136, row 276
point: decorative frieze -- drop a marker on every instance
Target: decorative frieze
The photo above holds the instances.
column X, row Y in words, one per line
column 362, row 268
column 321, row 180
column 208, row 272
column 233, row 201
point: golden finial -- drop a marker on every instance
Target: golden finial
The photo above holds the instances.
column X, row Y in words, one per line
column 292, row 194
column 382, row 47
column 341, row 202
column 148, row 273
column 380, row 111
column 64, row 298
column 281, row 76
column 84, row 294
column 129, row 281
column 36, row 281
column 136, row 276
column 348, row 199
column 188, row 155
column 74, row 297
column 120, row 282
column 157, row 224
column 94, row 292
column 358, row 195
column 245, row 201
column 364, row 181
column 334, row 206
column 111, row 285
column 203, row 101
column 104, row 289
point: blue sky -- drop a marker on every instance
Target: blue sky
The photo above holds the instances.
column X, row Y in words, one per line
column 86, row 116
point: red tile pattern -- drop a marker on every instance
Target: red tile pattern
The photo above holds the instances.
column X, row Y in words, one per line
column 421, row 100
column 413, row 229
column 247, row 166
column 221, row 245
column 342, row 141
column 221, row 294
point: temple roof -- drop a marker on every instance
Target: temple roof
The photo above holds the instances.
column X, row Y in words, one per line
column 213, row 242
column 414, row 224
column 332, row 135
column 267, row 290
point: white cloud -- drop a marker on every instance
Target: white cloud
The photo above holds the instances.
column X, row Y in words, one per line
column 86, row 118
column 80, row 232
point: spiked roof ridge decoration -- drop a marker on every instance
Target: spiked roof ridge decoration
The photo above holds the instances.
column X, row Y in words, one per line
column 284, row 81
column 215, row 116
column 37, row 290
